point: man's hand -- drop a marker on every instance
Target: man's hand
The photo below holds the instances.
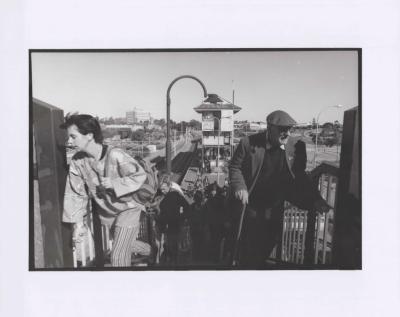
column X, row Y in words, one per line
column 243, row 196
column 321, row 206
column 106, row 182
column 78, row 232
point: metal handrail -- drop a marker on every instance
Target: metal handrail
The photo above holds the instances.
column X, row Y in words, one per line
column 84, row 252
column 307, row 236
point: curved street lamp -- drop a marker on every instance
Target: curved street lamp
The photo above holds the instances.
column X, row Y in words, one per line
column 316, row 134
column 168, row 143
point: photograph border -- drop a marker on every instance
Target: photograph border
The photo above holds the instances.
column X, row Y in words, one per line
column 31, row 264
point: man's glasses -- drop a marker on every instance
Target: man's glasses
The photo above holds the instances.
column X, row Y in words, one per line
column 285, row 130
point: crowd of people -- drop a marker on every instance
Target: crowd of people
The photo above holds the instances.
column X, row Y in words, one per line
column 202, row 225
column 123, row 188
column 266, row 169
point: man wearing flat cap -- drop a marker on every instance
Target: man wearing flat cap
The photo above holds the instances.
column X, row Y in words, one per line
column 268, row 168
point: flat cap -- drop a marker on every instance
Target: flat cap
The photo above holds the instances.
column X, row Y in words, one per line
column 280, row 118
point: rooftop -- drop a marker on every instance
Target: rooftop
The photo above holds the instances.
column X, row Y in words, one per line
column 213, row 102
column 218, row 106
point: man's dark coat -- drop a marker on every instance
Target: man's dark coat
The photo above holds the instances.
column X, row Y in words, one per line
column 248, row 159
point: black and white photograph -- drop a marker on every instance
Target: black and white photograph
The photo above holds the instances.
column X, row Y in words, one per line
column 195, row 159
column 200, row 158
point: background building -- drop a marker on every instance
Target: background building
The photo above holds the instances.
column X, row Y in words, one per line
column 138, row 116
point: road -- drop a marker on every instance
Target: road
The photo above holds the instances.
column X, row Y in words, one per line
column 329, row 154
column 182, row 145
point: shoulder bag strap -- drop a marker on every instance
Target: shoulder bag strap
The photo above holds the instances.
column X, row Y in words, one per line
column 107, row 162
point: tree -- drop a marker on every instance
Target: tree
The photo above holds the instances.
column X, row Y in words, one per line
column 313, row 138
column 328, row 125
column 194, row 124
column 109, row 133
column 162, row 123
column 314, row 123
column 338, row 136
column 239, row 133
column 137, row 135
column 330, row 141
column 120, row 120
column 111, row 120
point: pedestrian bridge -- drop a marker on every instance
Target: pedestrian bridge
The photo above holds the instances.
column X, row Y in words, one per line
column 307, row 237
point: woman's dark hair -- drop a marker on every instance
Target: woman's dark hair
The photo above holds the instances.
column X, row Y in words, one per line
column 85, row 124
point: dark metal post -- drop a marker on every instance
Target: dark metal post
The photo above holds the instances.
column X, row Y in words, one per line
column 97, row 236
column 310, row 238
column 168, row 144
column 347, row 241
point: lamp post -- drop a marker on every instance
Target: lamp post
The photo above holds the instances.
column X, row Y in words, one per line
column 316, row 134
column 174, row 143
column 168, row 143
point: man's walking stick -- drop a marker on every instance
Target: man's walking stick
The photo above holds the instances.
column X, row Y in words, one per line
column 237, row 240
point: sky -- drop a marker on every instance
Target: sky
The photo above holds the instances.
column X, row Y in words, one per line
column 105, row 84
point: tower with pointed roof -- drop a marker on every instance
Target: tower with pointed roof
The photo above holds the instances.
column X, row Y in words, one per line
column 217, row 131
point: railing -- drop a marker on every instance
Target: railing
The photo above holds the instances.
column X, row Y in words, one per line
column 84, row 252
column 293, row 234
column 307, row 236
